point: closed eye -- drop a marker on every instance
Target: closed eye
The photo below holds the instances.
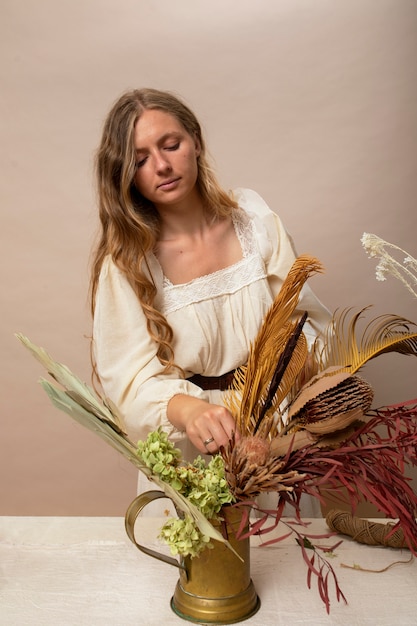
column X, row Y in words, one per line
column 141, row 162
column 173, row 147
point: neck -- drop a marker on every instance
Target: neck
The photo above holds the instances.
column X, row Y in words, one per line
column 187, row 217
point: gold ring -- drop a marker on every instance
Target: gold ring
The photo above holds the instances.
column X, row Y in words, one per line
column 207, row 441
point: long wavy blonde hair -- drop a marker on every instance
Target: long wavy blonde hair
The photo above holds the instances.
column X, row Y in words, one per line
column 130, row 224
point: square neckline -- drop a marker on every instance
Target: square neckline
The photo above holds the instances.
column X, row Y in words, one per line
column 239, row 224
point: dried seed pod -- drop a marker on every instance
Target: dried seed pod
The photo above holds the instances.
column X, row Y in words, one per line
column 341, row 404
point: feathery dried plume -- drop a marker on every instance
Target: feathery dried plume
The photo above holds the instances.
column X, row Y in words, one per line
column 405, row 271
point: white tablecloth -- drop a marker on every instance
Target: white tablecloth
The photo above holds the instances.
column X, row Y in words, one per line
column 85, row 571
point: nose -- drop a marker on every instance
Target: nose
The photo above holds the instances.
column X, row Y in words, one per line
column 162, row 164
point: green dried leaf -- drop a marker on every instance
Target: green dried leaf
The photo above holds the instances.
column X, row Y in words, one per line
column 79, row 402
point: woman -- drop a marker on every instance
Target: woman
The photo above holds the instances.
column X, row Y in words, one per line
column 182, row 277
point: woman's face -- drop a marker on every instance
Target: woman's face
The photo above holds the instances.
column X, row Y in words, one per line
column 166, row 159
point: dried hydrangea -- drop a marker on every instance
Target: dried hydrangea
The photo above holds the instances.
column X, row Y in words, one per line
column 183, row 537
column 161, row 456
column 203, row 484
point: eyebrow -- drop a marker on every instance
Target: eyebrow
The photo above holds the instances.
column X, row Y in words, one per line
column 170, row 135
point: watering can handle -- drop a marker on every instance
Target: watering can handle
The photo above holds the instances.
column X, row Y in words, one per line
column 131, row 516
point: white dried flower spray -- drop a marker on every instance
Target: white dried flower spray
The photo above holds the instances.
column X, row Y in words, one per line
column 405, row 271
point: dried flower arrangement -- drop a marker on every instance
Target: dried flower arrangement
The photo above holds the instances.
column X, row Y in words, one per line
column 306, row 423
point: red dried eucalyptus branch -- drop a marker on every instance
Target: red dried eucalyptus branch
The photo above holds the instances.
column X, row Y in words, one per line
column 317, row 564
column 369, row 464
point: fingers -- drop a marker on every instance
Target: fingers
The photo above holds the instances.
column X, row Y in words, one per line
column 208, row 426
column 208, row 442
column 211, row 429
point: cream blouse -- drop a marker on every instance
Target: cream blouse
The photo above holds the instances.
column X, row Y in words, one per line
column 214, row 318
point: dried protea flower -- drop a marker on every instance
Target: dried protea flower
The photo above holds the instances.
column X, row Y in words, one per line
column 251, row 469
column 255, row 450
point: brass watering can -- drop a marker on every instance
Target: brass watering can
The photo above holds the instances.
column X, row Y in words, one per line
column 215, row 587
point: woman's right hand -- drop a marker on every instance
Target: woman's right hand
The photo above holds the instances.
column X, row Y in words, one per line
column 208, row 426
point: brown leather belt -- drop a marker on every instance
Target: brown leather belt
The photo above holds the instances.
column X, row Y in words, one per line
column 213, row 382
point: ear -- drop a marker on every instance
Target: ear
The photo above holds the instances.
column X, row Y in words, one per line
column 197, row 145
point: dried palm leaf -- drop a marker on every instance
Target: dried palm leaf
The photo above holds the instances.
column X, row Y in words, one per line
column 348, row 348
column 79, row 401
column 283, row 444
column 249, row 399
column 75, row 388
column 283, row 371
column 335, row 439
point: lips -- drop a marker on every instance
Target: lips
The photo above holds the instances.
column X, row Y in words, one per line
column 168, row 184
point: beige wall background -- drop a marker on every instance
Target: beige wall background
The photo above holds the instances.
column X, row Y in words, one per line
column 310, row 102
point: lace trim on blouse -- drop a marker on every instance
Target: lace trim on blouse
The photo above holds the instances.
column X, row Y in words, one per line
column 229, row 280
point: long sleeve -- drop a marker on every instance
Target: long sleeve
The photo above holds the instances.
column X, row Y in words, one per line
column 125, row 354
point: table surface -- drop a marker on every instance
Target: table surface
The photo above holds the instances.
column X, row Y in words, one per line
column 85, row 571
